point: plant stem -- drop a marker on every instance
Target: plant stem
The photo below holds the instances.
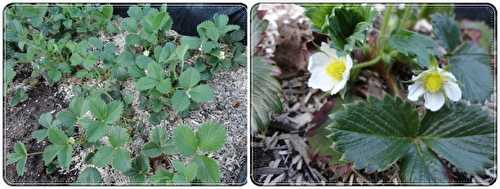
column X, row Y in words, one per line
column 34, row 153
column 368, row 63
column 383, row 29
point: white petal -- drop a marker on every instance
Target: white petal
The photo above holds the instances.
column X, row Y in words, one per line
column 318, row 61
column 339, row 86
column 449, row 76
column 348, row 62
column 319, row 80
column 328, row 50
column 415, row 91
column 434, row 101
column 453, row 91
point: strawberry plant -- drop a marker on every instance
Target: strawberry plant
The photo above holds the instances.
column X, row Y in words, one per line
column 63, row 44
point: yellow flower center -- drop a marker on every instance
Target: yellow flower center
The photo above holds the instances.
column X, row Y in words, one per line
column 335, row 69
column 433, row 82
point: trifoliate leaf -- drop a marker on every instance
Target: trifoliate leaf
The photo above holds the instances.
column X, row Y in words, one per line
column 189, row 78
column 470, row 64
column 185, row 140
column 201, row 93
column 377, row 133
column 114, row 111
column 211, row 136
column 180, row 101
column 19, row 157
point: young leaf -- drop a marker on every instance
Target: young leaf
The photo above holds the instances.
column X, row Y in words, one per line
column 185, row 140
column 411, row 43
column 211, row 136
column 180, row 101
column 201, row 93
column 189, row 78
column 89, row 176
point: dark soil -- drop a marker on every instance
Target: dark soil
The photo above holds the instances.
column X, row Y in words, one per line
column 19, row 123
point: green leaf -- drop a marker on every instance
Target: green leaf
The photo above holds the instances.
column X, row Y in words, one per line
column 208, row 29
column 57, row 136
column 154, row 71
column 237, row 35
column 126, row 58
column 221, row 20
column 88, row 64
column 135, row 11
column 463, row 135
column 201, row 93
column 191, row 42
column 133, row 40
column 211, row 136
column 118, row 136
column 318, row 13
column 130, row 25
column 94, row 130
column 164, row 86
column 121, row 160
column 19, row 157
column 19, row 96
column 145, row 83
column 103, row 156
column 208, row 170
column 78, row 106
column 162, row 176
column 89, row 176
column 98, row 107
column 76, row 59
column 189, row 78
column 470, row 64
column 188, row 172
column 67, row 118
column 50, row 152
column 377, row 133
column 355, row 21
column 411, row 43
column 40, row 134
column 265, row 94
column 151, row 149
column 53, row 75
column 185, row 140
column 45, row 119
column 140, row 169
column 446, row 30
column 107, row 11
column 144, row 61
column 180, row 101
column 64, row 156
column 114, row 111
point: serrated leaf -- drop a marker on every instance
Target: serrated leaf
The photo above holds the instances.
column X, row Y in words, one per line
column 94, row 130
column 191, row 42
column 208, row 29
column 114, row 111
column 188, row 172
column 189, row 78
column 39, row 135
column 57, row 136
column 265, row 94
column 121, row 160
column 446, row 30
column 470, row 64
column 76, row 59
column 135, row 12
column 413, row 44
column 145, row 83
column 67, row 118
column 133, row 40
column 164, row 86
column 185, row 140
column 98, row 107
column 19, row 157
column 19, row 96
column 208, row 170
column 118, row 136
column 162, row 176
column 126, row 58
column 378, row 133
column 211, row 136
column 64, row 156
column 201, row 93
column 154, row 71
column 180, row 101
column 103, row 156
column 151, row 149
column 50, row 152
column 45, row 119
column 89, row 176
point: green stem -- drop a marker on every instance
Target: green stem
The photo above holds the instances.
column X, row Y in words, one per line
column 383, row 29
column 367, row 63
column 34, row 153
column 403, row 18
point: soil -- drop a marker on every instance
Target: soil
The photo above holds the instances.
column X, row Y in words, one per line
column 19, row 123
